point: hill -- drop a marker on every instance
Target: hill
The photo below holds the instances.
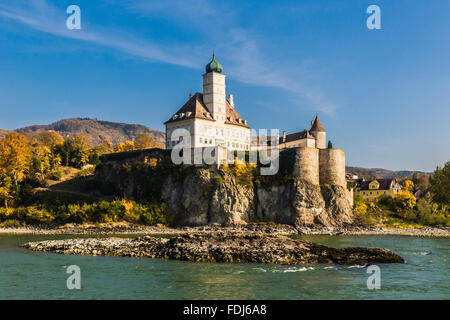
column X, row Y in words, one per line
column 369, row 173
column 97, row 130
column 3, row 133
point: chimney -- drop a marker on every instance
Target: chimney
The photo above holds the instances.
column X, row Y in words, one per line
column 284, row 135
column 190, row 95
column 231, row 100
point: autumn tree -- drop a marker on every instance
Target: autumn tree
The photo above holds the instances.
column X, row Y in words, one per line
column 75, row 151
column 144, row 141
column 48, row 139
column 15, row 155
column 423, row 182
column 122, row 147
column 408, row 185
column 440, row 185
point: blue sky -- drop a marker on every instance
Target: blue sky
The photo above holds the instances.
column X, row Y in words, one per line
column 383, row 95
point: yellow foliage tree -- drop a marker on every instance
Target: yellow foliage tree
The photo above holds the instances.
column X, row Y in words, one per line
column 144, row 141
column 408, row 185
column 404, row 201
column 15, row 156
column 122, row 147
column 49, row 138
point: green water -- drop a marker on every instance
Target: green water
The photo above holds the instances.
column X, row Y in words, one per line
column 37, row 275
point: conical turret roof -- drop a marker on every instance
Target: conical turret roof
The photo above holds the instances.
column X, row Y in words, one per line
column 317, row 125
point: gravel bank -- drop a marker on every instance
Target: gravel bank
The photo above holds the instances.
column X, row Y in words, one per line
column 220, row 247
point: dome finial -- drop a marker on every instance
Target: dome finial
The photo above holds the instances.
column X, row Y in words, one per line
column 213, row 65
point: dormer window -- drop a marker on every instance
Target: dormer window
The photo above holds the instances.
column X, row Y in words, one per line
column 175, row 116
column 188, row 114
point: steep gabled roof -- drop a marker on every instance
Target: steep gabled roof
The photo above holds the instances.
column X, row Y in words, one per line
column 317, row 125
column 198, row 110
column 195, row 106
column 385, row 184
column 297, row 136
column 232, row 116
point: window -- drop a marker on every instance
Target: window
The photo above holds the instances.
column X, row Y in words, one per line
column 201, row 140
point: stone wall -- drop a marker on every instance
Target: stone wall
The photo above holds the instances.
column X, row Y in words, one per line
column 307, row 164
column 332, row 167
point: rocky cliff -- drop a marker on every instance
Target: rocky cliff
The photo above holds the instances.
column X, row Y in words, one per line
column 230, row 195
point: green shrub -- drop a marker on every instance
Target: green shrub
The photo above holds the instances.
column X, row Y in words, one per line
column 56, row 175
column 98, row 212
column 12, row 223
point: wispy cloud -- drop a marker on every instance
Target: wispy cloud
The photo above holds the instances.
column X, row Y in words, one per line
column 242, row 53
column 42, row 16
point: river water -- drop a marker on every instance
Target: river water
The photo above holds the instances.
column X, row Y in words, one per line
column 37, row 275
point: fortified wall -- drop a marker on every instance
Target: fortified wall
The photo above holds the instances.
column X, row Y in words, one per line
column 314, row 191
column 320, row 166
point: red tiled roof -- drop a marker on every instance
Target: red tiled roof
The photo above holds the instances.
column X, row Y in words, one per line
column 232, row 116
column 199, row 110
column 195, row 106
column 296, row 136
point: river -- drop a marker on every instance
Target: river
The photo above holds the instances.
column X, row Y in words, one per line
column 38, row 275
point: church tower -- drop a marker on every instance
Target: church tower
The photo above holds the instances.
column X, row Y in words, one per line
column 319, row 133
column 214, row 90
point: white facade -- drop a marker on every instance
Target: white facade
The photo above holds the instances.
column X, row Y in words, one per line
column 210, row 118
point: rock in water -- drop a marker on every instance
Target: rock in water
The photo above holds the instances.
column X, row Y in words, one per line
column 220, row 247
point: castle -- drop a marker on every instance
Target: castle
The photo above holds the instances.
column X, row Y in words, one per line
column 211, row 119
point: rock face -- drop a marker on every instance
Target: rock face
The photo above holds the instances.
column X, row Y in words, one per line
column 198, row 200
column 206, row 195
column 220, row 247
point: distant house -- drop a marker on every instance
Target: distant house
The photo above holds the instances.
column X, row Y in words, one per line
column 351, row 176
column 418, row 194
column 371, row 190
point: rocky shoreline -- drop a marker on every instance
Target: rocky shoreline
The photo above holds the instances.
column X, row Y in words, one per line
column 126, row 228
column 220, row 247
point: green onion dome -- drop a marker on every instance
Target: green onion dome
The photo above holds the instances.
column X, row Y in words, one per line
column 214, row 66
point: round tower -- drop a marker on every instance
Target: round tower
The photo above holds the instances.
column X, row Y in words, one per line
column 319, row 133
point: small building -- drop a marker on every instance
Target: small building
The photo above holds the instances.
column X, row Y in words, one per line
column 315, row 137
column 351, row 176
column 371, row 190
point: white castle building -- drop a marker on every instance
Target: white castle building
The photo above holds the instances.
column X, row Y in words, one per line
column 210, row 117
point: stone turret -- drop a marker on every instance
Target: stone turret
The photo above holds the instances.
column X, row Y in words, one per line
column 319, row 133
